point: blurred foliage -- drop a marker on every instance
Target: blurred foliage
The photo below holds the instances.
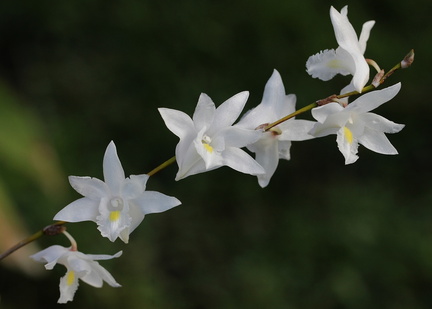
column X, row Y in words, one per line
column 24, row 152
column 322, row 235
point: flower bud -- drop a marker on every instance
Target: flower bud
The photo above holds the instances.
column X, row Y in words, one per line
column 408, row 60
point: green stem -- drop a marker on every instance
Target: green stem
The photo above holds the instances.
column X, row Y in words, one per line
column 50, row 230
column 297, row 112
column 162, row 166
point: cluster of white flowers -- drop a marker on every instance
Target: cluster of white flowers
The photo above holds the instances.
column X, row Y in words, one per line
column 211, row 139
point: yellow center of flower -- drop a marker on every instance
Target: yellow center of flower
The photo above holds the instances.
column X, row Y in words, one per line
column 115, row 207
column 208, row 147
column 348, row 135
column 206, row 140
column 114, row 215
column 70, row 277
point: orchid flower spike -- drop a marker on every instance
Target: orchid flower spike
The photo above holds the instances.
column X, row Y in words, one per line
column 208, row 140
column 275, row 143
column 117, row 205
column 348, row 57
column 355, row 124
column 79, row 266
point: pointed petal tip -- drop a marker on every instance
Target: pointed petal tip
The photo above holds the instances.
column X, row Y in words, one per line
column 111, row 149
column 111, row 145
column 243, row 96
column 263, row 182
column 275, row 78
column 275, row 73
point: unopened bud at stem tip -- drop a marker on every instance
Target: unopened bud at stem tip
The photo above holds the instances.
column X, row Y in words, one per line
column 408, row 60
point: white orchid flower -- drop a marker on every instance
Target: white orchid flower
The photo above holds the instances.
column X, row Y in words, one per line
column 348, row 57
column 117, row 205
column 208, row 140
column 355, row 124
column 79, row 266
column 274, row 144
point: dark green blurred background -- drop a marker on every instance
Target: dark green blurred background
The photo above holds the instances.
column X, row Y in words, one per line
column 76, row 74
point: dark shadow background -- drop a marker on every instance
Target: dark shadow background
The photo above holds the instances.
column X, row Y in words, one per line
column 322, row 235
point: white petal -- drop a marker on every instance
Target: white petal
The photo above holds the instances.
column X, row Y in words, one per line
column 262, row 114
column 100, row 257
column 204, row 112
column 322, row 112
column 364, row 35
column 267, row 155
column 92, row 277
column 240, row 161
column 67, row 290
column 185, row 149
column 347, row 145
column 326, row 64
column 228, row 112
column 78, row 262
column 377, row 141
column 188, row 159
column 239, row 137
column 136, row 214
column 284, row 150
column 112, row 169
column 361, row 75
column 218, row 141
column 344, row 11
column 196, row 168
column 344, row 31
column 274, row 91
column 134, row 186
column 296, row 130
column 50, row 255
column 83, row 209
column 107, row 277
column 320, row 131
column 177, row 122
column 89, row 187
column 371, row 100
column 124, row 234
column 97, row 275
column 379, row 123
column 155, row 202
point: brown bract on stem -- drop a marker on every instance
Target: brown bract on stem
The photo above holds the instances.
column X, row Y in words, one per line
column 54, row 229
column 327, row 100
